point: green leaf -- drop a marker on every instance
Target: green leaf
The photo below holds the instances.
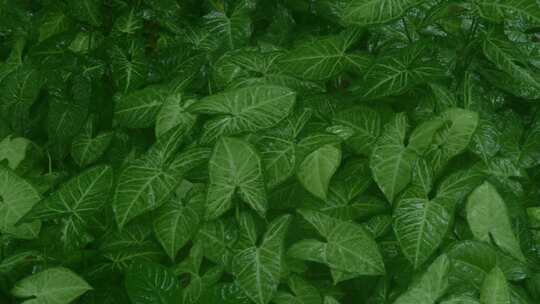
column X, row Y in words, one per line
column 129, row 66
column 17, row 197
column 233, row 30
column 174, row 113
column 349, row 247
column 174, row 226
column 317, row 60
column 139, row 109
column 366, row 12
column 151, row 283
column 304, row 293
column 431, row 286
column 81, row 197
column 142, row 187
column 488, row 219
column 397, row 72
column 87, row 148
column 317, row 168
column 54, row 22
column 18, row 93
column 495, row 289
column 54, row 285
column 258, row 269
column 391, row 161
column 244, row 110
column 217, row 239
column 87, row 11
column 453, row 138
column 499, row 10
column 278, row 156
column 364, row 126
column 235, row 166
column 420, row 225
column 13, row 150
column 509, row 59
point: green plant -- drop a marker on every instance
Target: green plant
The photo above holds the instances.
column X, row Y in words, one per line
column 256, row 151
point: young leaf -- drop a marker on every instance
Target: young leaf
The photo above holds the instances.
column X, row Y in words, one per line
column 235, row 166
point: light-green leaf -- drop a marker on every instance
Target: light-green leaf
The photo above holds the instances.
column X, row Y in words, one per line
column 17, row 197
column 317, row 168
column 235, row 166
column 495, row 289
column 244, row 110
column 488, row 219
column 51, row 286
column 258, row 269
column 13, row 150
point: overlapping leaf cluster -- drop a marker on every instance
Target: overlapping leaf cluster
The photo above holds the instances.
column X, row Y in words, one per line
column 254, row 151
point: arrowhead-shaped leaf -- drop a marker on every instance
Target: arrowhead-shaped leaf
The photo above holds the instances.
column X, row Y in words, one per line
column 317, row 168
column 258, row 269
column 244, row 110
column 495, row 289
column 81, row 197
column 54, row 285
column 17, row 197
column 391, row 161
column 349, row 246
column 235, row 166
column 149, row 283
column 366, row 12
column 488, row 219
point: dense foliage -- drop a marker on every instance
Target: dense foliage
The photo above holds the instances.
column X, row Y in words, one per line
column 270, row 151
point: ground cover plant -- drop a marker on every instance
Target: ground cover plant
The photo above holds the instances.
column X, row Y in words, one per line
column 269, row 151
